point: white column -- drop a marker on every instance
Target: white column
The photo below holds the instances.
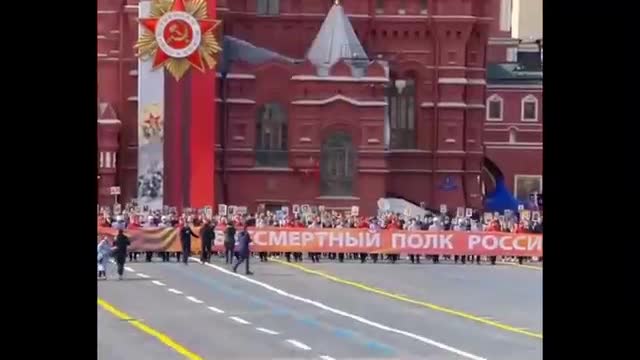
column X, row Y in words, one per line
column 101, row 159
column 505, row 15
column 107, row 160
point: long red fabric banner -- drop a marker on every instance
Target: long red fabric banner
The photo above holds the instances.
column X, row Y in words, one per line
column 202, row 132
column 351, row 240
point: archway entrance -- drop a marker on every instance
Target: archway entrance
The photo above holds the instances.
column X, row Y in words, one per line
column 337, row 165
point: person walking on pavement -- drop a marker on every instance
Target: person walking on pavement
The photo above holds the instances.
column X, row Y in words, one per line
column 207, row 234
column 244, row 239
column 120, row 251
column 104, row 249
column 185, row 240
column 229, row 243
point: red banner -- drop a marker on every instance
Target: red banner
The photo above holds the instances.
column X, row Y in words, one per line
column 351, row 241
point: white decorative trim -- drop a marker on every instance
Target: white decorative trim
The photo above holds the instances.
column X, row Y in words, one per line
column 102, row 55
column 373, row 141
column 477, row 81
column 489, row 143
column 109, row 121
column 305, row 140
column 240, row 101
column 107, row 12
column 503, row 41
column 461, row 81
column 133, row 72
column 514, row 86
column 452, row 105
column 516, row 90
column 529, row 99
column 132, row 98
column 114, row 156
column 340, row 97
column 102, row 37
column 513, row 135
column 450, row 141
column 237, row 76
column 340, row 78
column 101, row 159
column 512, row 127
column 517, row 176
column 512, row 147
column 499, row 99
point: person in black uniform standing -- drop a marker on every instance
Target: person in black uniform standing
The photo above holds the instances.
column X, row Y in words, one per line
column 120, row 251
column 229, row 243
column 244, row 239
column 207, row 234
column 185, row 240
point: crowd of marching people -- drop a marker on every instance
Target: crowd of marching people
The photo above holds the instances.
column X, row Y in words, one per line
column 236, row 223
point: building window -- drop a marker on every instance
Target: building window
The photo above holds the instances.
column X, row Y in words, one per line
column 271, row 132
column 525, row 185
column 401, row 112
column 529, row 108
column 494, row 108
column 268, row 7
column 337, row 165
column 379, row 6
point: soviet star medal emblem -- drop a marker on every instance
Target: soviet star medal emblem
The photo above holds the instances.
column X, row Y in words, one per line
column 178, row 35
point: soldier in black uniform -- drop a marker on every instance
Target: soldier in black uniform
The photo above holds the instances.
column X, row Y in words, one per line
column 207, row 234
column 229, row 243
column 185, row 240
column 120, row 252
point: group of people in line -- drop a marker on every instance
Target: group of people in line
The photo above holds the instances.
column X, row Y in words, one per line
column 236, row 243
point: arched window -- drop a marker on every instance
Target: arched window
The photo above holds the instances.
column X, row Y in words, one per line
column 529, row 108
column 401, row 112
column 271, row 133
column 494, row 108
column 337, row 165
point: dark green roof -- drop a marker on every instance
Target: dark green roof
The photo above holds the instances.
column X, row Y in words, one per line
column 513, row 74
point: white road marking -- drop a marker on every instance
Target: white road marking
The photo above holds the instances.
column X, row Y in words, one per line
column 129, row 269
column 159, row 283
column 175, row 291
column 240, row 320
column 195, row 300
column 215, row 309
column 270, row 332
column 349, row 315
column 298, row 344
column 145, row 276
column 326, row 357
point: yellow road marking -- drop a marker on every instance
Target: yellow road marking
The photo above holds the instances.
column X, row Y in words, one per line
column 147, row 329
column 539, row 268
column 412, row 301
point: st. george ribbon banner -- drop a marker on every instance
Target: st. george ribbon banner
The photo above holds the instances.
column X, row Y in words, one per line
column 350, row 241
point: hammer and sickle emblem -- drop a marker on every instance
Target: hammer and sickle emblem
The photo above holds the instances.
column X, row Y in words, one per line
column 178, row 33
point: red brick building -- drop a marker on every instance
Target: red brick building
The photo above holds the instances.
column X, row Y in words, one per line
column 334, row 104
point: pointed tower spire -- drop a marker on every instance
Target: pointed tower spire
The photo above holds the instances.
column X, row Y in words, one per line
column 336, row 40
